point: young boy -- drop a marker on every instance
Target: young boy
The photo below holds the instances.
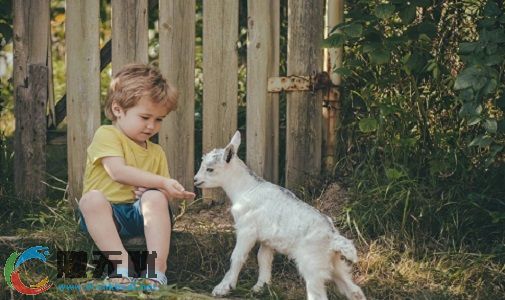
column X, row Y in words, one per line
column 127, row 185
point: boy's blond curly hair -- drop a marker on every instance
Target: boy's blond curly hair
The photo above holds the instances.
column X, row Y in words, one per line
column 135, row 81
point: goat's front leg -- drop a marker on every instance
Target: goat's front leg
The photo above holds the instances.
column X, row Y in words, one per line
column 265, row 257
column 245, row 242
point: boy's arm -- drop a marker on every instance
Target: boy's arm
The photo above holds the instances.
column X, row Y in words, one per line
column 117, row 169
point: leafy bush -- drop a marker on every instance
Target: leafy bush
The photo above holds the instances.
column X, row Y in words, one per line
column 423, row 101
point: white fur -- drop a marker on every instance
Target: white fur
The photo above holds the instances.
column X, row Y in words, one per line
column 281, row 222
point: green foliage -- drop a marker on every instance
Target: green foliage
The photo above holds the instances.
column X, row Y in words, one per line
column 423, row 99
column 5, row 22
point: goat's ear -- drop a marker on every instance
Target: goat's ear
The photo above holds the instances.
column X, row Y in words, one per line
column 229, row 151
column 235, row 140
column 232, row 147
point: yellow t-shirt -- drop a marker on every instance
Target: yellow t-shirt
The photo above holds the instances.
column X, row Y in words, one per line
column 110, row 141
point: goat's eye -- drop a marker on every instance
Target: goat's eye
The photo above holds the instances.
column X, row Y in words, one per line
column 210, row 170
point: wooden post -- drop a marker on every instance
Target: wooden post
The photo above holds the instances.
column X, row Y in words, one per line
column 30, row 140
column 220, row 79
column 177, row 64
column 263, row 107
column 31, row 33
column 332, row 109
column 129, row 33
column 83, row 87
column 305, row 57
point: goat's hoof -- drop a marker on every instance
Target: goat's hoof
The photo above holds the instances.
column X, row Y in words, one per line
column 358, row 295
column 258, row 287
column 221, row 289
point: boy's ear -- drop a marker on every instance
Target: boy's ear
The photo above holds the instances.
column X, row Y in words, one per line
column 116, row 109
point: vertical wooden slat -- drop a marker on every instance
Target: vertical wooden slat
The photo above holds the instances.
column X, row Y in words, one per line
column 263, row 107
column 83, row 87
column 31, row 34
column 30, row 148
column 177, row 64
column 220, row 34
column 51, row 104
column 305, row 57
column 331, row 111
column 129, row 33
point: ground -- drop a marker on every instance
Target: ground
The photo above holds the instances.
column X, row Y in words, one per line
column 203, row 240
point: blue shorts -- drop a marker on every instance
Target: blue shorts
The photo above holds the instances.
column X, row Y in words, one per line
column 128, row 218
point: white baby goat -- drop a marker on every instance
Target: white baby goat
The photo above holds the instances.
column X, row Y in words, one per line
column 281, row 222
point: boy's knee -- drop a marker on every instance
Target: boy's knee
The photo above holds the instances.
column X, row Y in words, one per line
column 154, row 197
column 93, row 200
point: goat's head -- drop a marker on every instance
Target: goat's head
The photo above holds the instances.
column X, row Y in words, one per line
column 216, row 164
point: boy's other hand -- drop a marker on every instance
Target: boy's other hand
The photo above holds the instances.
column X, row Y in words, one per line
column 174, row 189
column 139, row 191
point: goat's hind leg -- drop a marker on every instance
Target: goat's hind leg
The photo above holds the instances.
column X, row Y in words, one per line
column 265, row 257
column 245, row 242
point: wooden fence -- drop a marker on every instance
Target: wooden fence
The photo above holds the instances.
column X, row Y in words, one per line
column 304, row 132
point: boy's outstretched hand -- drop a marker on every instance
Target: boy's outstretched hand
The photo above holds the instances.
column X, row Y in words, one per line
column 173, row 189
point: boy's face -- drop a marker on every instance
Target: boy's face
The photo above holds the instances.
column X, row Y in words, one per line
column 141, row 121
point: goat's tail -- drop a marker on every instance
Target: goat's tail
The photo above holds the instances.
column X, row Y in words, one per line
column 345, row 247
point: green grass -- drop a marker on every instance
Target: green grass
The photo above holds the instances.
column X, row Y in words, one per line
column 390, row 268
column 417, row 239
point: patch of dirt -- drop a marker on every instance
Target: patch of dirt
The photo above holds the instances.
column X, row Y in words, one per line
column 333, row 200
column 203, row 218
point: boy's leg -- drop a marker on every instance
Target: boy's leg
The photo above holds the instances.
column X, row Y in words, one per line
column 97, row 213
column 157, row 226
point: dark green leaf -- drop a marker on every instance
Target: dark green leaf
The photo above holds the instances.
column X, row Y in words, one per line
column 469, row 77
column 427, row 28
column 408, row 14
column 491, row 9
column 473, row 120
column 479, row 82
column 488, row 22
column 491, row 125
column 353, row 30
column 370, row 47
column 379, row 56
column 336, row 40
column 414, row 63
column 384, row 11
column 343, row 71
column 490, row 86
column 470, row 109
column 495, row 59
column 467, row 48
column 367, row 125
column 481, row 141
column 421, row 3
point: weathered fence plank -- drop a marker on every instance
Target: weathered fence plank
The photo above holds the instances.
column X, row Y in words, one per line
column 30, row 149
column 83, row 87
column 177, row 64
column 129, row 33
column 305, row 57
column 332, row 110
column 220, row 79
column 263, row 107
column 31, row 35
